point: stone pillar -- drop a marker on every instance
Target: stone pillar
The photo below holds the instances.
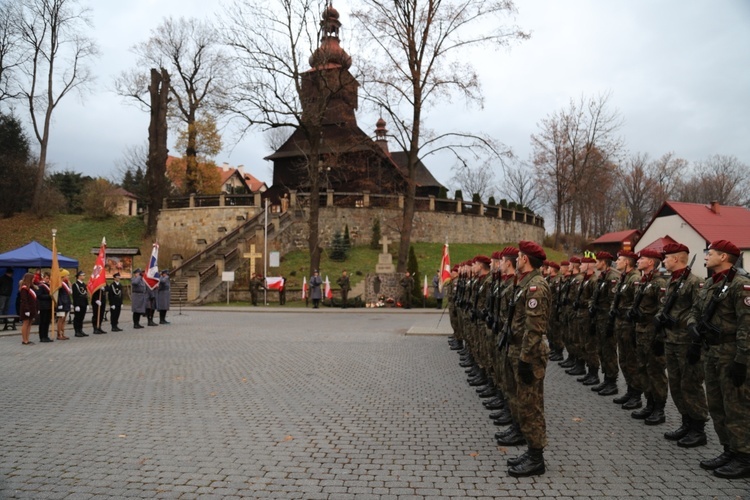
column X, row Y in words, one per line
column 458, row 206
column 176, row 260
column 481, row 209
column 192, row 200
column 193, row 287
column 432, row 203
column 219, row 265
column 329, row 197
column 292, row 198
column 365, row 198
column 256, row 200
column 401, row 201
column 164, row 203
column 222, row 199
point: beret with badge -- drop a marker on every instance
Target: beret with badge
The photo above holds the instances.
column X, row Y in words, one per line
column 725, row 246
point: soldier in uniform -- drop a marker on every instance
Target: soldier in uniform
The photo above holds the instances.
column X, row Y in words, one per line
column 482, row 354
column 561, row 313
column 98, row 306
column 624, row 330
column 599, row 307
column 649, row 350
column 316, row 294
column 407, row 284
column 720, row 319
column 529, row 354
column 578, row 274
column 685, row 379
column 80, row 304
column 138, row 297
column 256, row 284
column 554, row 280
column 164, row 297
column 587, row 338
column 115, row 302
column 345, row 286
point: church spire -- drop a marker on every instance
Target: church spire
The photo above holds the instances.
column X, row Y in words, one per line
column 330, row 52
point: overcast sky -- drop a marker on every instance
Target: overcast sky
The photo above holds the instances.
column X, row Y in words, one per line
column 678, row 72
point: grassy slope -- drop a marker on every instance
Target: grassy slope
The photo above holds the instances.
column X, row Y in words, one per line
column 76, row 236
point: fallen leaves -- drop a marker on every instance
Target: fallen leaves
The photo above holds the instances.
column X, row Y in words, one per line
column 577, row 419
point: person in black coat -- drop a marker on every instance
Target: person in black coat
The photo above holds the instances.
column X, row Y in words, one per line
column 114, row 295
column 80, row 304
column 44, row 303
column 63, row 304
column 98, row 306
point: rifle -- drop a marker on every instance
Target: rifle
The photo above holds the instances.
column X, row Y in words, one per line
column 565, row 291
column 577, row 301
column 476, row 314
column 663, row 318
column 634, row 313
column 507, row 333
column 710, row 333
column 594, row 308
column 488, row 304
column 613, row 309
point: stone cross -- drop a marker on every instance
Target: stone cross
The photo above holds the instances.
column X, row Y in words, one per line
column 384, row 241
column 252, row 256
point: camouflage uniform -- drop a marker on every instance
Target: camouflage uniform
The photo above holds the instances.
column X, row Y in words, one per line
column 625, row 331
column 529, row 326
column 607, row 344
column 728, row 405
column 553, row 328
column 587, row 342
column 573, row 342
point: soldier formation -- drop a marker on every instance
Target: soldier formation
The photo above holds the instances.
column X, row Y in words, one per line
column 515, row 311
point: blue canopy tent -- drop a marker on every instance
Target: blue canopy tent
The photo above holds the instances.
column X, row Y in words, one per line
column 28, row 257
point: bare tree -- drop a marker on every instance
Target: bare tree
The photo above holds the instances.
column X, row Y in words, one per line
column 719, row 178
column 190, row 50
column 275, row 89
column 417, row 58
column 156, row 165
column 519, row 184
column 478, row 179
column 11, row 56
column 572, row 148
column 55, row 50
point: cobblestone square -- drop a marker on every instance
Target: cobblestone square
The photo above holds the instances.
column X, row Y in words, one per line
column 305, row 404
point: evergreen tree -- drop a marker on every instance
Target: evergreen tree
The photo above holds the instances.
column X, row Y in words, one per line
column 376, row 235
column 475, row 198
column 347, row 239
column 459, row 195
column 491, row 201
column 338, row 248
column 16, row 168
column 71, row 185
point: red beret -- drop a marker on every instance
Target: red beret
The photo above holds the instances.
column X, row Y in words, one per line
column 455, row 269
column 510, row 252
column 497, row 255
column 725, row 246
column 532, row 249
column 588, row 260
column 575, row 260
column 554, row 264
column 564, row 263
column 671, row 248
column 651, row 254
column 629, row 255
column 545, row 263
column 483, row 259
column 604, row 256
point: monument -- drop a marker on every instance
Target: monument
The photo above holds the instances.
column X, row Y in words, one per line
column 385, row 259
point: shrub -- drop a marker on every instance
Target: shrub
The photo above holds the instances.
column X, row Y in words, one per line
column 376, row 234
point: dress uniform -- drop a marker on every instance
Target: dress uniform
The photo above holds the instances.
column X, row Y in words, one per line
column 80, row 304
column 138, row 297
column 114, row 295
column 164, row 297
column 98, row 306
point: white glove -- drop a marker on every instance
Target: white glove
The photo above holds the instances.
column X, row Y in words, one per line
column 77, row 309
column 112, row 307
column 27, row 313
column 98, row 302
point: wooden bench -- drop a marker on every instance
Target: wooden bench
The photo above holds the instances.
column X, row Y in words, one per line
column 9, row 320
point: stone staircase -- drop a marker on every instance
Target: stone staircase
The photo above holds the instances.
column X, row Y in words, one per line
column 198, row 279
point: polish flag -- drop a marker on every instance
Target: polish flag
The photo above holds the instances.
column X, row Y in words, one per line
column 328, row 292
column 98, row 277
column 424, row 288
column 274, row 282
column 304, row 287
column 445, row 268
column 152, row 271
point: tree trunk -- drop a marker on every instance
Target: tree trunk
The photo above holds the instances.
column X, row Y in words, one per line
column 192, row 182
column 157, row 147
column 313, row 241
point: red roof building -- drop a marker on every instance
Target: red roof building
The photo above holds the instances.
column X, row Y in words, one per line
column 614, row 242
column 697, row 225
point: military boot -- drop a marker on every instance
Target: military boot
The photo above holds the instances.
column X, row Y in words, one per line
column 598, row 387
column 488, row 392
column 610, row 387
column 738, row 468
column 593, row 377
column 503, row 417
column 514, row 438
column 657, row 416
column 457, row 345
column 586, row 375
column 480, row 379
column 532, row 466
column 679, row 432
column 519, row 459
column 466, row 363
column 568, row 362
column 621, row 400
column 578, row 369
column 696, row 435
column 495, row 403
column 714, row 463
column 634, row 401
column 501, row 434
column 644, row 412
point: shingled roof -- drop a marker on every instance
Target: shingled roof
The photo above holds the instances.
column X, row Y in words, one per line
column 712, row 222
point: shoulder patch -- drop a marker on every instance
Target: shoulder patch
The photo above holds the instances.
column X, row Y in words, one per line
column 532, row 288
column 637, row 283
column 533, row 303
column 663, row 289
column 746, row 301
column 746, row 287
column 700, row 285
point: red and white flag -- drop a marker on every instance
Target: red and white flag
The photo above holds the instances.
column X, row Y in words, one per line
column 304, row 287
column 274, row 282
column 445, row 268
column 98, row 277
column 424, row 288
column 151, row 276
column 328, row 292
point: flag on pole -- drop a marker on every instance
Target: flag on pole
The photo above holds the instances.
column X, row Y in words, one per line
column 445, row 268
column 55, row 280
column 98, row 277
column 329, row 293
column 274, row 282
column 304, row 287
column 424, row 288
column 152, row 270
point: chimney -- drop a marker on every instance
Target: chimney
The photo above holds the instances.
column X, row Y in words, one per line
column 715, row 207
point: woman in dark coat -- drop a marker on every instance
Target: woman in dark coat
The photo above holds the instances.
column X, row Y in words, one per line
column 28, row 306
column 138, row 297
column 63, row 304
column 44, row 300
column 316, row 294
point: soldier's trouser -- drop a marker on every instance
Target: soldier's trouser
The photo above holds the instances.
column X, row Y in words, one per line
column 607, row 348
column 589, row 342
column 498, row 364
column 78, row 319
column 729, row 405
column 625, row 332
column 453, row 316
column 553, row 333
column 531, row 404
column 651, row 369
column 510, row 366
column 686, row 382
column 572, row 343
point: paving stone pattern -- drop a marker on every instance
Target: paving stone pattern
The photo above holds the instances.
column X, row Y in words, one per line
column 303, row 405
